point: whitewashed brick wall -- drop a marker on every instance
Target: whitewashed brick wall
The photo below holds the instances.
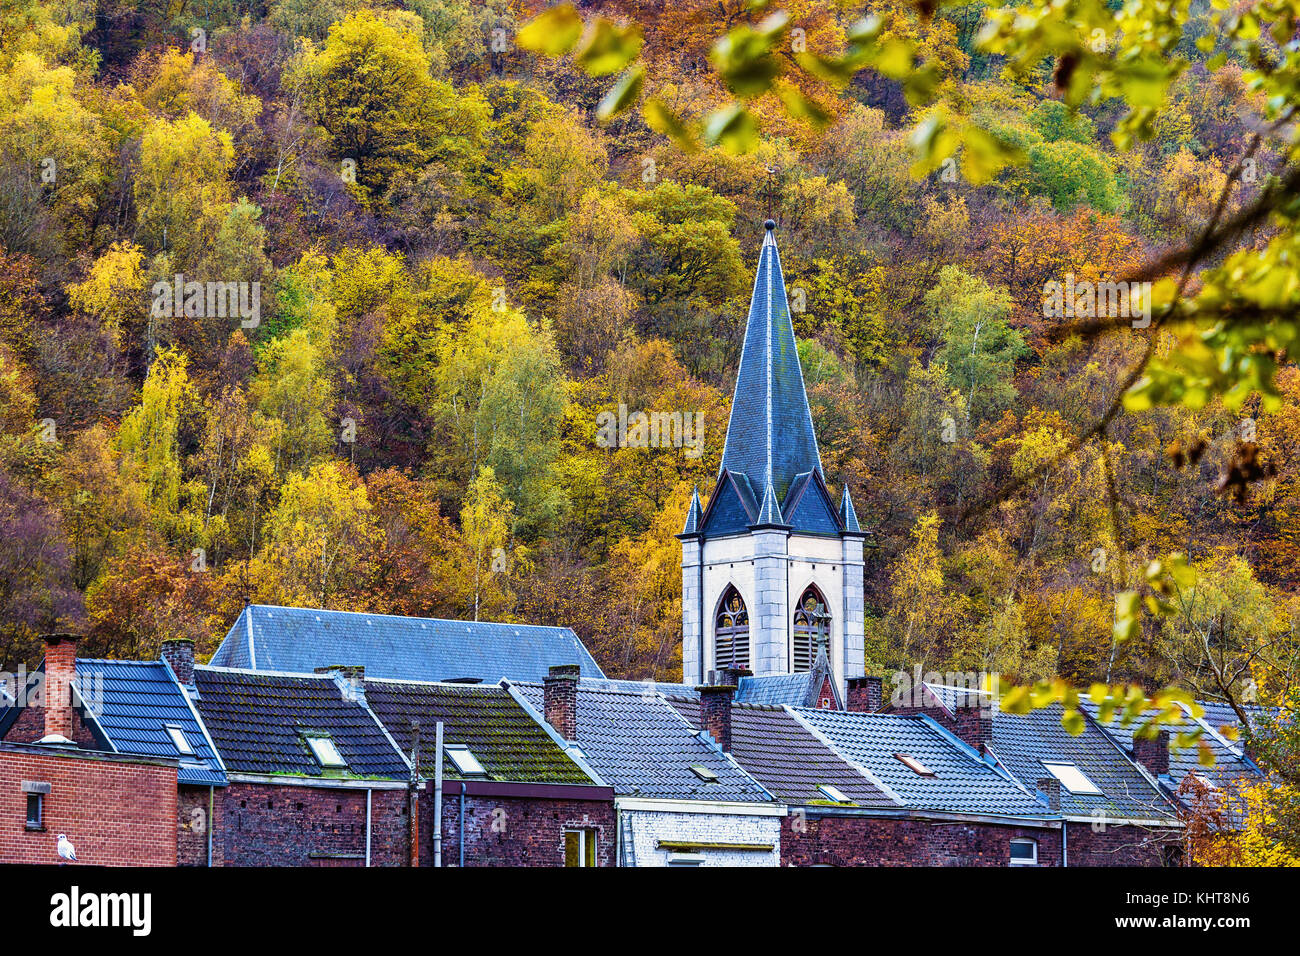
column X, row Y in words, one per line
column 649, row 827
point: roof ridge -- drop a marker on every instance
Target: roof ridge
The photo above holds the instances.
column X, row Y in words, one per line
column 410, row 617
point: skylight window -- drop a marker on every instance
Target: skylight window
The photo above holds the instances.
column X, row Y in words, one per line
column 915, row 765
column 465, row 761
column 1071, row 777
column 833, row 793
column 704, row 773
column 326, row 754
column 180, row 741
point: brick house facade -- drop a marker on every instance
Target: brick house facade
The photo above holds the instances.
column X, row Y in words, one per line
column 505, row 830
column 812, row 838
column 116, row 810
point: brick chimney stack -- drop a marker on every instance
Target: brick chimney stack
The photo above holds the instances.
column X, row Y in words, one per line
column 60, row 672
column 974, row 719
column 560, row 699
column 179, row 655
column 715, row 712
column 866, row 694
column 1153, row 753
column 1052, row 787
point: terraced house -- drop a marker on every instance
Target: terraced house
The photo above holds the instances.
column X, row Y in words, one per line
column 680, row 797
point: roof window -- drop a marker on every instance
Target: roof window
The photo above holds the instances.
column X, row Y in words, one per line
column 326, row 754
column 920, row 769
column 465, row 762
column 179, row 740
column 1071, row 777
column 704, row 773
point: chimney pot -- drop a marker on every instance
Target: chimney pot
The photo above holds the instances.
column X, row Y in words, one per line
column 179, row 655
column 60, row 672
column 560, row 699
column 715, row 712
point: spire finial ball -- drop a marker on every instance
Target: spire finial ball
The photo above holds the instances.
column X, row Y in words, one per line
column 769, row 225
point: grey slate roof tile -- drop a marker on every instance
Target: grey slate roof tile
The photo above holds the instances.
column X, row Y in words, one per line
column 299, row 640
column 962, row 782
column 641, row 746
column 258, row 722
column 504, row 737
column 787, row 758
column 1230, row 762
column 1024, row 742
column 770, row 433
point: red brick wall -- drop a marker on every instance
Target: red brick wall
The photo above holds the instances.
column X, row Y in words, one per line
column 115, row 812
column 30, row 727
column 287, row 825
column 826, row 695
column 1120, row 845
column 864, row 841
column 193, row 823
column 513, row 831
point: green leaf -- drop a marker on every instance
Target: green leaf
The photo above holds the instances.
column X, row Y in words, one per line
column 553, row 32
column 663, row 120
column 833, row 71
column 983, row 155
column 801, row 107
column 1073, row 722
column 622, row 95
column 743, row 57
column 1016, row 701
column 608, row 47
column 1126, row 615
column 732, row 128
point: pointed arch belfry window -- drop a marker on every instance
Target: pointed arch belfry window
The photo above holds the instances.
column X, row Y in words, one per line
column 731, row 631
column 812, row 625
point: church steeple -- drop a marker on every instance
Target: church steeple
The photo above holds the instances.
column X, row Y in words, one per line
column 770, row 437
column 771, row 564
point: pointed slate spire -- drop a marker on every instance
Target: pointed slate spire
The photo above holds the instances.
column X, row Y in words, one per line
column 770, row 434
column 693, row 515
column 769, row 513
column 848, row 517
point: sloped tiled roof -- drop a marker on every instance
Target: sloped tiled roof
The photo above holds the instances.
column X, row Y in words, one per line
column 130, row 704
column 641, row 746
column 504, row 737
column 774, row 689
column 1024, row 742
column 259, row 721
column 299, row 640
column 962, row 782
column 139, row 700
column 1230, row 761
column 787, row 758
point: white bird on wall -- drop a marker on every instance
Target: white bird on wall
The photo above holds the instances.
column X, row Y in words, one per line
column 66, row 850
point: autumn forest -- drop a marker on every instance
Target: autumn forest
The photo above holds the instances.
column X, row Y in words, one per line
column 440, row 257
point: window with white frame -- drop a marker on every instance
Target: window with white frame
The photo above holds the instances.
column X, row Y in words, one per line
column 1024, row 852
column 580, row 847
column 179, row 740
column 918, row 768
column 326, row 754
column 467, row 765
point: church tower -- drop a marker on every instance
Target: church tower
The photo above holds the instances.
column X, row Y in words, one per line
column 771, row 568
